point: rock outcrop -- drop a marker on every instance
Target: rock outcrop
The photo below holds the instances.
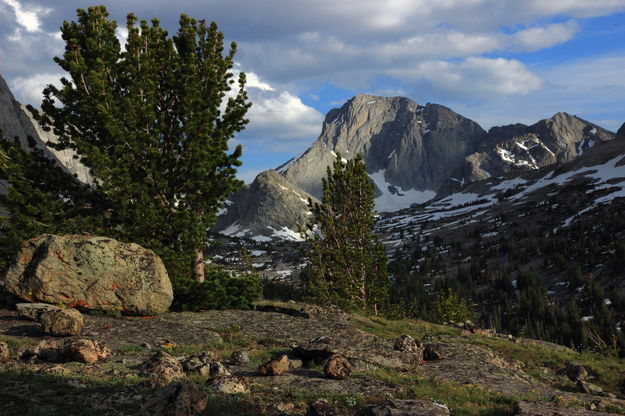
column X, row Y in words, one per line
column 271, row 207
column 90, row 272
column 16, row 120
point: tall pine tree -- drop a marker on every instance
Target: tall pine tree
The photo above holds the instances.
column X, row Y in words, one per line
column 152, row 123
column 349, row 266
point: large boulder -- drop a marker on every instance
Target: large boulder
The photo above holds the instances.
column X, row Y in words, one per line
column 90, row 272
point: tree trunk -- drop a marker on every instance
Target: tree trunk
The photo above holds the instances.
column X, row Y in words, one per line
column 198, row 266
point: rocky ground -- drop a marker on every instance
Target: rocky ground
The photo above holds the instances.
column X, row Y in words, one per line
column 479, row 373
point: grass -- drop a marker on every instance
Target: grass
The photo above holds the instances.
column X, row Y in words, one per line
column 608, row 371
column 17, row 343
column 387, row 328
column 463, row 399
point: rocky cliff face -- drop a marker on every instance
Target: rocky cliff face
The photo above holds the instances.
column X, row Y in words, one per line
column 410, row 150
column 518, row 147
column 15, row 120
column 271, row 207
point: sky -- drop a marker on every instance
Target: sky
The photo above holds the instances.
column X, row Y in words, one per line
column 494, row 61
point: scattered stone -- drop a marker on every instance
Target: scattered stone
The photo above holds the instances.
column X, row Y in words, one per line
column 33, row 311
column 338, row 367
column 228, row 385
column 177, row 399
column 407, row 344
column 54, row 370
column 239, row 358
column 217, row 369
column 90, row 272
column 275, row 367
column 5, row 353
column 162, row 368
column 575, row 372
column 408, row 408
column 86, row 350
column 321, row 407
column 62, row 322
column 433, row 352
column 588, row 388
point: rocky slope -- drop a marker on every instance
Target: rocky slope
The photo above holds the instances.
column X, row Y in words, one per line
column 15, row 120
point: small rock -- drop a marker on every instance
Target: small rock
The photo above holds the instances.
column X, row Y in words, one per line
column 588, row 388
column 161, row 367
column 86, row 350
column 408, row 408
column 33, row 310
column 54, row 370
column 275, row 367
column 177, row 399
column 338, row 367
column 62, row 322
column 407, row 344
column 575, row 372
column 228, row 385
column 217, row 369
column 295, row 363
column 5, row 353
column 433, row 352
column 195, row 365
column 239, row 358
column 321, row 407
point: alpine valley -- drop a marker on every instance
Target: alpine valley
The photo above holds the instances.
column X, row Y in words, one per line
column 525, row 221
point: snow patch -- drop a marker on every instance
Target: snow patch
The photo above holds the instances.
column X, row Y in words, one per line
column 403, row 199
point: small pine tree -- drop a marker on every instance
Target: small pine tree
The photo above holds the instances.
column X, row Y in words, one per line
column 348, row 262
column 448, row 307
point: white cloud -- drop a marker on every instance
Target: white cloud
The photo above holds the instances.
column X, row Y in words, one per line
column 28, row 90
column 27, row 17
column 282, row 115
column 593, row 89
column 541, row 37
column 122, row 35
column 475, row 78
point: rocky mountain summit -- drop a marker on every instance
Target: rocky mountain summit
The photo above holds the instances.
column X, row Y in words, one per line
column 410, row 150
column 517, row 148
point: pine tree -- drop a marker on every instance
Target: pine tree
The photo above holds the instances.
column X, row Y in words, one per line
column 349, row 265
column 152, row 124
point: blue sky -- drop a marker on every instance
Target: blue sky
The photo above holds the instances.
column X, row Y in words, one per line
column 494, row 61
